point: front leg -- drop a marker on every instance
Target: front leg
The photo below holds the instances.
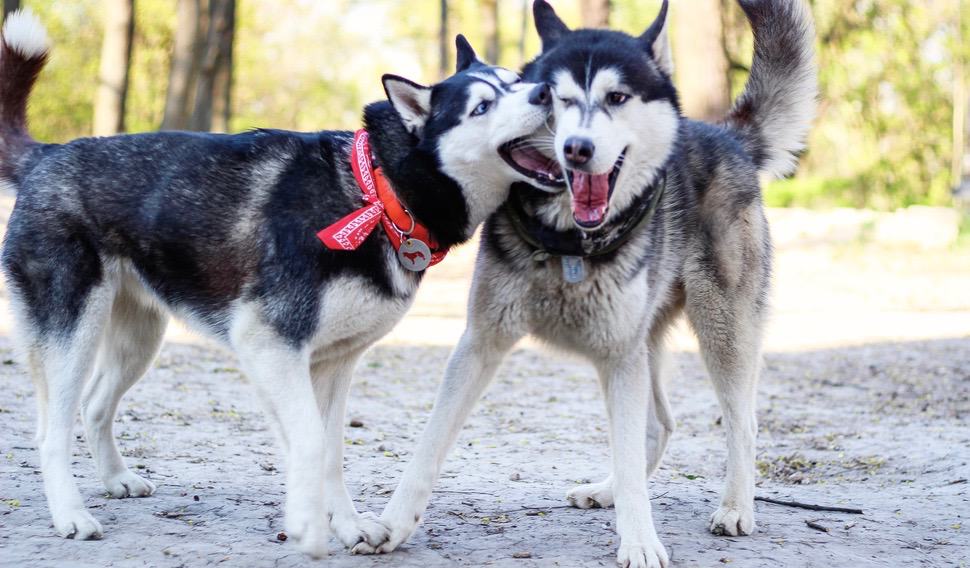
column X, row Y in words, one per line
column 331, row 384
column 470, row 369
column 626, row 382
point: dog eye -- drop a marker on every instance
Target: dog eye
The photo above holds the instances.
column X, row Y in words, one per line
column 567, row 102
column 482, row 108
column 617, row 99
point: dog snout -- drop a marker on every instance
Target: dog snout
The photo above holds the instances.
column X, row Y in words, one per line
column 578, row 150
column 541, row 95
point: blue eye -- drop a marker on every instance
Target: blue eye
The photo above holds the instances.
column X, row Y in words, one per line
column 482, row 108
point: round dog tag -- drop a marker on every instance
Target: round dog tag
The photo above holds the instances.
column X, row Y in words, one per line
column 414, row 254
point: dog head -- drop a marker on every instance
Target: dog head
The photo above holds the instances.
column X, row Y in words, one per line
column 474, row 123
column 615, row 107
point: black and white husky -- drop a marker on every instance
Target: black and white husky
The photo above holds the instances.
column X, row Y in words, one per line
column 110, row 235
column 662, row 216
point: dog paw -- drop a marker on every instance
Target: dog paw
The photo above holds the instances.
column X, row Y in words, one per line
column 360, row 528
column 397, row 531
column 592, row 495
column 77, row 524
column 310, row 532
column 127, row 484
column 732, row 521
column 650, row 555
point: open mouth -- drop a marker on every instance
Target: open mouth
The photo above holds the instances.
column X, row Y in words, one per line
column 591, row 194
column 532, row 163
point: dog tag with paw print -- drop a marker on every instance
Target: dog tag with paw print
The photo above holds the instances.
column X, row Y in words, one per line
column 573, row 269
column 414, row 254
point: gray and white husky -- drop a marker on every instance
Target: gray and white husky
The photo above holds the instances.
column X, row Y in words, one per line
column 662, row 216
column 110, row 235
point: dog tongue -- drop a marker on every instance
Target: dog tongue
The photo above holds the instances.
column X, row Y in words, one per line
column 591, row 194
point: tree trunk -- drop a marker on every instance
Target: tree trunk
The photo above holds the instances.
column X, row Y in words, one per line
column 700, row 62
column 595, row 13
column 215, row 73
column 10, row 6
column 444, row 43
column 109, row 104
column 184, row 66
column 490, row 27
column 960, row 164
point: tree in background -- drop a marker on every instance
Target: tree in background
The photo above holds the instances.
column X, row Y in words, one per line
column 119, row 31
column 214, row 86
column 490, row 28
column 444, row 42
column 700, row 66
column 595, row 13
column 184, row 67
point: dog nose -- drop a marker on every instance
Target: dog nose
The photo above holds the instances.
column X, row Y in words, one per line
column 578, row 150
column 540, row 95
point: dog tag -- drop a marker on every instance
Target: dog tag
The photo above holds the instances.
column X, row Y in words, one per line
column 414, row 254
column 573, row 269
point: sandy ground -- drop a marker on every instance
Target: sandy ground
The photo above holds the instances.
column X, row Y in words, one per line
column 864, row 402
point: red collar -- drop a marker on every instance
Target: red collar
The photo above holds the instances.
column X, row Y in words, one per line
column 416, row 249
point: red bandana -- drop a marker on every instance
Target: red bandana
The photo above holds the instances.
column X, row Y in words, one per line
column 413, row 242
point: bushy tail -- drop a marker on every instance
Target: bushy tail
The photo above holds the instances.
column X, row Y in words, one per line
column 23, row 52
column 776, row 109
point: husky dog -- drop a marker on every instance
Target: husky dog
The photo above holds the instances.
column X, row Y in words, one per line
column 110, row 235
column 661, row 216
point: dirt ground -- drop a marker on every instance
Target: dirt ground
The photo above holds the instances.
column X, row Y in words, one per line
column 864, row 402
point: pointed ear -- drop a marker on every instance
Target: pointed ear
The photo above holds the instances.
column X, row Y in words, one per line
column 411, row 100
column 551, row 29
column 466, row 55
column 656, row 41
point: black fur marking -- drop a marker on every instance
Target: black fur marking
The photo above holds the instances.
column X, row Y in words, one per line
column 588, row 51
column 414, row 170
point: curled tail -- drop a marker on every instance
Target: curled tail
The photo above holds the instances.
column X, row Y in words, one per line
column 23, row 52
column 776, row 109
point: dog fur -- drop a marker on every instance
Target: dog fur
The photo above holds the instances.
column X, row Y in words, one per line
column 706, row 253
column 109, row 236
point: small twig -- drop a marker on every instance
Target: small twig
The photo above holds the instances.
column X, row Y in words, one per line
column 816, row 526
column 809, row 506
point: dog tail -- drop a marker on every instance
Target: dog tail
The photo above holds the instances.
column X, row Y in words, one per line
column 23, row 53
column 776, row 109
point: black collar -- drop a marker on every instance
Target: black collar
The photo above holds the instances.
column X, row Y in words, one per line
column 574, row 242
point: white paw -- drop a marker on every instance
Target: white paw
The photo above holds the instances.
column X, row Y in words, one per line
column 359, row 528
column 730, row 521
column 127, row 484
column 592, row 495
column 397, row 531
column 650, row 555
column 77, row 524
column 309, row 531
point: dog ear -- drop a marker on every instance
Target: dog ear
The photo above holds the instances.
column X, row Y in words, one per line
column 466, row 54
column 656, row 41
column 551, row 29
column 411, row 100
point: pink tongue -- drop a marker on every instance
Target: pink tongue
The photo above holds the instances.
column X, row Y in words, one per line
column 590, row 197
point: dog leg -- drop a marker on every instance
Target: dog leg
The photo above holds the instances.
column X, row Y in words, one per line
column 331, row 381
column 470, row 369
column 660, row 425
column 130, row 344
column 67, row 364
column 734, row 373
column 281, row 375
column 626, row 383
column 729, row 335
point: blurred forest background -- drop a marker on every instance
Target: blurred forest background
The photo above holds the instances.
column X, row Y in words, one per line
column 892, row 131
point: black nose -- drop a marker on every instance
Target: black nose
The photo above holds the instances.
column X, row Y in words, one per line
column 540, row 95
column 578, row 150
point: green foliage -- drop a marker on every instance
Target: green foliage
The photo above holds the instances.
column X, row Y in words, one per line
column 882, row 139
